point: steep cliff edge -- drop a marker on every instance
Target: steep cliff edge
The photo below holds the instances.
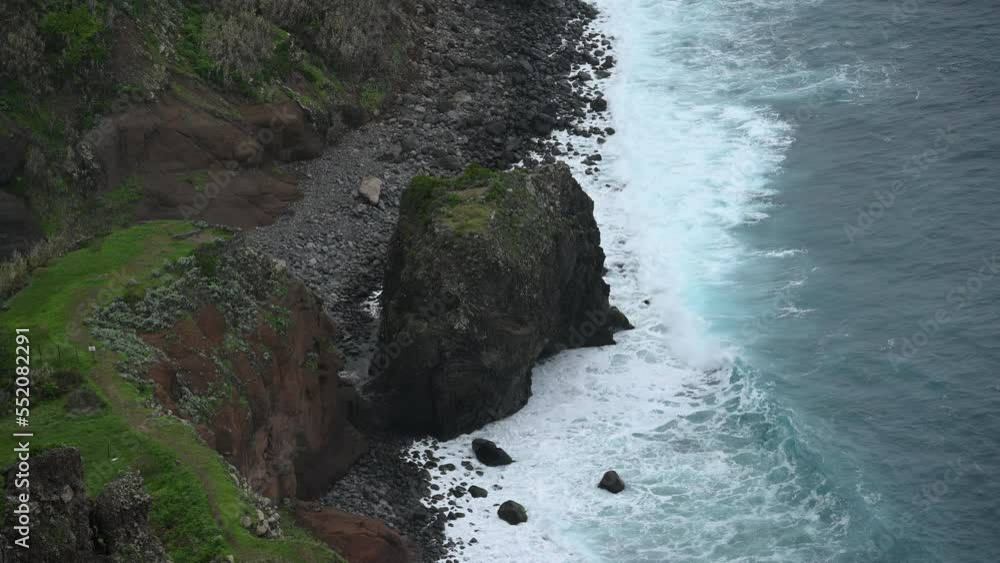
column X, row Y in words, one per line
column 487, row 273
column 242, row 350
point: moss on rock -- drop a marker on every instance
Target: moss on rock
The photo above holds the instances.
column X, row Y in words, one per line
column 488, row 272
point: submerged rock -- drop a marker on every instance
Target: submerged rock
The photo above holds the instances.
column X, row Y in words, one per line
column 489, row 453
column 512, row 513
column 487, row 273
column 612, row 482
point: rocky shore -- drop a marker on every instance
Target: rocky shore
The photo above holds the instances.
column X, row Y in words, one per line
column 495, row 79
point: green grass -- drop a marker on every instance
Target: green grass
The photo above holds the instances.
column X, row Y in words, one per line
column 198, row 180
column 464, row 203
column 280, row 65
column 195, row 60
column 180, row 515
column 468, row 218
column 371, row 98
column 278, row 319
column 26, row 112
column 57, row 294
column 325, row 85
column 118, row 202
column 196, row 506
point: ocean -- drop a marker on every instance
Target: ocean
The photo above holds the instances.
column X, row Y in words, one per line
column 798, row 210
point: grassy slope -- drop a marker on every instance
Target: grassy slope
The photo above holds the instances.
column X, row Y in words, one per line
column 196, row 505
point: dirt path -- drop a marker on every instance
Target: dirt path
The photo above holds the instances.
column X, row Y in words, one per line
column 135, row 414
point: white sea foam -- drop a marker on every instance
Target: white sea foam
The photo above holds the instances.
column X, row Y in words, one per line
column 699, row 446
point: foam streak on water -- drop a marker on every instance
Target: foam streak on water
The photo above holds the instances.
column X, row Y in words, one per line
column 713, row 468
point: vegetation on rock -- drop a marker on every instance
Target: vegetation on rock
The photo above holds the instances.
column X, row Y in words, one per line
column 196, row 503
column 488, row 273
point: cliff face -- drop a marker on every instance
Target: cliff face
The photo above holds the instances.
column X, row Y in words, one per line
column 487, row 273
column 180, row 108
column 67, row 526
column 244, row 352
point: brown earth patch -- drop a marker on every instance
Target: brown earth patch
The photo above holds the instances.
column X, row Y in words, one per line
column 270, row 401
column 198, row 155
column 356, row 538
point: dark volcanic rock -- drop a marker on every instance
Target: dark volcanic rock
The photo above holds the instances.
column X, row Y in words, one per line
column 83, row 400
column 478, row 492
column 612, row 482
column 18, row 230
column 60, row 511
column 121, row 517
column 512, row 513
column 67, row 527
column 487, row 273
column 489, row 453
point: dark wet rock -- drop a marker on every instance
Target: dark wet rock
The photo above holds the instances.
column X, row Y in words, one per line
column 83, row 400
column 488, row 453
column 67, row 527
column 449, row 162
column 478, row 492
column 18, row 229
column 121, row 518
column 612, row 482
column 59, row 509
column 512, row 513
column 487, row 274
column 410, row 143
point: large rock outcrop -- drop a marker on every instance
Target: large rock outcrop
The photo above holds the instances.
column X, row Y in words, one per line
column 487, row 273
column 67, row 527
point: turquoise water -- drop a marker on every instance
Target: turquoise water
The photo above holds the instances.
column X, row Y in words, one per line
column 804, row 193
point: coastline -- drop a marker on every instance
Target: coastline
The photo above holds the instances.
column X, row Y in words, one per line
column 494, row 84
column 454, row 468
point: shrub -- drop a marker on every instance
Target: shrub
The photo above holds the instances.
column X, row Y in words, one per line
column 286, row 13
column 21, row 51
column 371, row 98
column 75, row 34
column 239, row 45
column 15, row 270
